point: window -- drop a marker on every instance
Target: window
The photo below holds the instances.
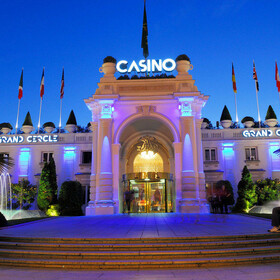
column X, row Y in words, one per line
column 86, row 157
column 47, row 156
column 210, row 154
column 251, row 153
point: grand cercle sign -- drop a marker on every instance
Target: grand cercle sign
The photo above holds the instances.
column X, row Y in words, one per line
column 149, row 65
column 261, row 133
column 29, row 139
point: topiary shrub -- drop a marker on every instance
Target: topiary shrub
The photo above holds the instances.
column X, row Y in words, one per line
column 225, row 115
column 109, row 59
column 270, row 114
column 206, row 120
column 3, row 221
column 72, row 118
column 47, row 194
column 182, row 57
column 49, row 124
column 247, row 196
column 7, row 125
column 27, row 120
column 70, row 199
column 247, row 119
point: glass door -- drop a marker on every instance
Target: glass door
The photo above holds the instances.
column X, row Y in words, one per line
column 157, row 197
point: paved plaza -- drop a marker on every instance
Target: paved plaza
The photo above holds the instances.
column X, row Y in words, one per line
column 143, row 226
column 140, row 226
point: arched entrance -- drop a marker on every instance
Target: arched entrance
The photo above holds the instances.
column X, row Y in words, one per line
column 147, row 167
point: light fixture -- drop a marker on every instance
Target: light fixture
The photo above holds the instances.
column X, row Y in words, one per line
column 149, row 147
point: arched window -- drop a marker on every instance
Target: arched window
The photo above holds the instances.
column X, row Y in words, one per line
column 144, row 163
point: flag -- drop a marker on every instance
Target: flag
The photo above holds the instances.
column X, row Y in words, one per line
column 42, row 86
column 255, row 76
column 144, row 42
column 20, row 87
column 233, row 80
column 277, row 77
column 62, row 85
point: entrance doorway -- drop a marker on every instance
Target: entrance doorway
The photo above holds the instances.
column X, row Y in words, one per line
column 148, row 195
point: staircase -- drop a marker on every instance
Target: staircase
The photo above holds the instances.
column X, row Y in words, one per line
column 139, row 253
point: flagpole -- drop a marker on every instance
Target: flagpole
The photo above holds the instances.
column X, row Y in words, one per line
column 236, row 115
column 60, row 115
column 18, row 115
column 40, row 114
column 259, row 117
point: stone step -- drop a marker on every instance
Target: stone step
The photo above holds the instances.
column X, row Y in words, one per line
column 126, row 255
column 139, row 246
column 140, row 240
column 140, row 264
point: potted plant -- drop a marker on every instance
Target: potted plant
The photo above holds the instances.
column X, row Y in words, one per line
column 71, row 124
column 5, row 127
column 27, row 125
column 108, row 66
column 270, row 118
column 49, row 127
column 225, row 119
column 248, row 121
column 205, row 123
column 183, row 64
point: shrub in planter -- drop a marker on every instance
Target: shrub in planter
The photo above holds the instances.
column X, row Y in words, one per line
column 109, row 59
column 72, row 118
column 182, row 57
column 48, row 124
column 206, row 120
column 225, row 115
column 270, row 114
column 70, row 199
column 53, row 210
column 27, row 120
column 6, row 125
column 247, row 119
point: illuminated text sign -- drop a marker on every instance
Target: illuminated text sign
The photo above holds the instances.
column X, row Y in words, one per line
column 260, row 133
column 29, row 139
column 149, row 65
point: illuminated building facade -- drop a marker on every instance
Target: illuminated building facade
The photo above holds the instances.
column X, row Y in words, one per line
column 146, row 141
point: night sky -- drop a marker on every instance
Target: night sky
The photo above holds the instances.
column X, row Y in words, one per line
column 77, row 35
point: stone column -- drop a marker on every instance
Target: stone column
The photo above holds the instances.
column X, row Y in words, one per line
column 178, row 172
column 104, row 191
column 193, row 181
column 116, row 174
column 201, row 193
column 90, row 209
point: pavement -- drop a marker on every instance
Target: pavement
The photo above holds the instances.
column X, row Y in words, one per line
column 144, row 226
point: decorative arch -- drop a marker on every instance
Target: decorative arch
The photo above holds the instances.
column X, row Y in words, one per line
column 155, row 115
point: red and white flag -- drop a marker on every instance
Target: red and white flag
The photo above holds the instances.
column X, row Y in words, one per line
column 277, row 77
column 20, row 87
column 42, row 86
column 62, row 85
column 255, row 77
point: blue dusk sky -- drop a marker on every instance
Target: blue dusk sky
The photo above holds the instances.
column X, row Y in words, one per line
column 77, row 35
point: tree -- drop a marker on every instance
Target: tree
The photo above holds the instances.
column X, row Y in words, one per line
column 23, row 194
column 247, row 196
column 70, row 199
column 47, row 193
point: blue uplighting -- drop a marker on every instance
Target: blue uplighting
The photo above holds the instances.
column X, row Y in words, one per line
column 24, row 156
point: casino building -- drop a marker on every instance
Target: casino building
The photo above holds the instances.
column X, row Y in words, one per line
column 147, row 136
